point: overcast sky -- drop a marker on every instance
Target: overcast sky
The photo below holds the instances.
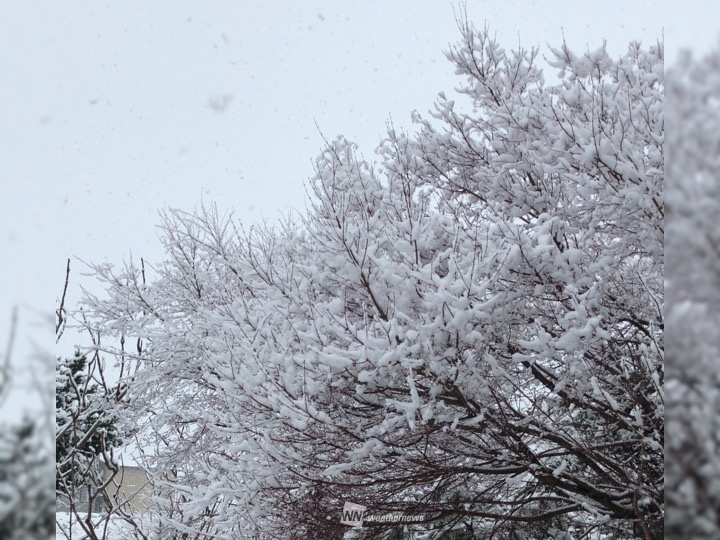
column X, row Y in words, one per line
column 111, row 111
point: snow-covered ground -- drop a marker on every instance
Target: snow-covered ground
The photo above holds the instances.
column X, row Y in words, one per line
column 117, row 529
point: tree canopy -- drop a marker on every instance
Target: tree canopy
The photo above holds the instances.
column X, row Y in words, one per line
column 469, row 328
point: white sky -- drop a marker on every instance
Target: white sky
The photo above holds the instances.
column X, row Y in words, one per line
column 109, row 109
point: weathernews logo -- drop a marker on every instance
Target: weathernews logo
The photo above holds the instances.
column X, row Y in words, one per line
column 354, row 515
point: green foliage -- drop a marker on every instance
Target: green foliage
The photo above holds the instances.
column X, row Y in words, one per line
column 85, row 426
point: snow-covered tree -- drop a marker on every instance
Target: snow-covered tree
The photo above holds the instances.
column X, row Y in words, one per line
column 90, row 410
column 693, row 286
column 27, row 500
column 26, row 497
column 84, row 427
column 470, row 328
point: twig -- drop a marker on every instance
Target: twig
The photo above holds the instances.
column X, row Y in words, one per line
column 59, row 325
column 5, row 368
